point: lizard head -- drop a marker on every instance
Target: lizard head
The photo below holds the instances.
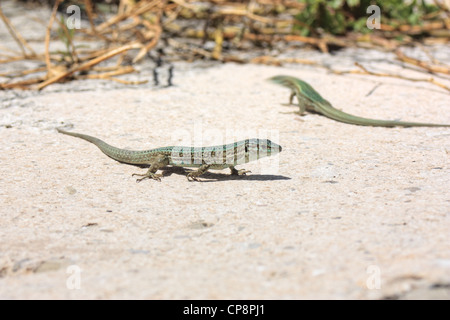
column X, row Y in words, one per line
column 286, row 81
column 300, row 87
column 260, row 148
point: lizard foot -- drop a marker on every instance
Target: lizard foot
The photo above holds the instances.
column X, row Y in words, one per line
column 193, row 176
column 148, row 175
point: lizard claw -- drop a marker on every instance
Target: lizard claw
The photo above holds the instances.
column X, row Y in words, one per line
column 191, row 177
column 150, row 175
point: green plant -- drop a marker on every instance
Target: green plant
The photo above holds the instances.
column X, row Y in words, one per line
column 340, row 16
column 66, row 36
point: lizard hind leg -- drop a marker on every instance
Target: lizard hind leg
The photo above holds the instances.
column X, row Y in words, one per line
column 149, row 175
column 193, row 176
column 159, row 162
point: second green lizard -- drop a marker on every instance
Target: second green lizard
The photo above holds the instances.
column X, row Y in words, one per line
column 309, row 99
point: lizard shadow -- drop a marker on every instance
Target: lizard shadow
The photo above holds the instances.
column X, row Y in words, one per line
column 217, row 177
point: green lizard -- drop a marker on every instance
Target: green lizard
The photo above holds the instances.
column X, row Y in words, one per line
column 203, row 158
column 309, row 99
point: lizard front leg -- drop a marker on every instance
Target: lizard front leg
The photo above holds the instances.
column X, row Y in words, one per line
column 291, row 99
column 159, row 162
column 241, row 172
column 301, row 105
column 195, row 174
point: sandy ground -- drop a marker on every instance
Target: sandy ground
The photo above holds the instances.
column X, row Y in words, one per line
column 343, row 212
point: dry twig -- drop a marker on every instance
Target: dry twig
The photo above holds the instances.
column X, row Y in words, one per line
column 16, row 35
column 141, row 25
column 422, row 64
column 367, row 72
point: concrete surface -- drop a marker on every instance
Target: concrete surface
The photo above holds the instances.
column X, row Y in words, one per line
column 343, row 212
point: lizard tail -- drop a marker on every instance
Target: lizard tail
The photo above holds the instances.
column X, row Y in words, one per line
column 121, row 155
column 341, row 116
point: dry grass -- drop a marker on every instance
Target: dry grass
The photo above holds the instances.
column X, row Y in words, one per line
column 137, row 27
